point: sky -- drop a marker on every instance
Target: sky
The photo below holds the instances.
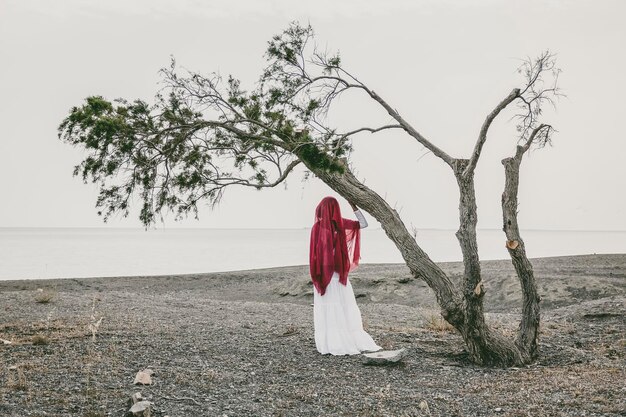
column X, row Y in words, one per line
column 443, row 65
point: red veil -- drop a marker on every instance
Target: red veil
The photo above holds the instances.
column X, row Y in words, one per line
column 335, row 245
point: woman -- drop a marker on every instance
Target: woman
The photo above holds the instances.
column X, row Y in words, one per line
column 334, row 252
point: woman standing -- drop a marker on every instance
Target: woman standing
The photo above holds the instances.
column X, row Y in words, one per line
column 334, row 252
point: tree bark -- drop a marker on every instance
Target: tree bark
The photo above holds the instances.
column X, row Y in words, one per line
column 484, row 346
column 474, row 329
column 529, row 326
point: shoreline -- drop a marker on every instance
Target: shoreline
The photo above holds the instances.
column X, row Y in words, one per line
column 253, row 270
column 87, row 254
column 142, row 229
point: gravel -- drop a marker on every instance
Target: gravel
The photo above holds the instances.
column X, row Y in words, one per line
column 241, row 344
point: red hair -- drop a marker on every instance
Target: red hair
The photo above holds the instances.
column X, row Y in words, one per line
column 335, row 245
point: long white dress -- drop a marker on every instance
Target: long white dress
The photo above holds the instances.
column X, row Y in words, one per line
column 337, row 318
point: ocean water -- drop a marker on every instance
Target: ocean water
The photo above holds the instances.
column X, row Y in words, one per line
column 33, row 253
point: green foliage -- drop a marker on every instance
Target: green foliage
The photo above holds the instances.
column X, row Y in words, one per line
column 205, row 133
column 315, row 157
column 135, row 149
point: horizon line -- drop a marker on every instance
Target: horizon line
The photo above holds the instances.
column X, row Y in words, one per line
column 287, row 228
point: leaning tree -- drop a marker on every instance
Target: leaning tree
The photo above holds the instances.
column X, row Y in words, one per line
column 206, row 133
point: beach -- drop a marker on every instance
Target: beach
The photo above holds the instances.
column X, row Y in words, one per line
column 241, row 344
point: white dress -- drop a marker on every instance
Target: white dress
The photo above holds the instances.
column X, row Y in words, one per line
column 337, row 318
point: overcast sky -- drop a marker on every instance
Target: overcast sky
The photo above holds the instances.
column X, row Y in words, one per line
column 443, row 64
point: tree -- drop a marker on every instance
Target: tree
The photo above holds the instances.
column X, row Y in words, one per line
column 205, row 133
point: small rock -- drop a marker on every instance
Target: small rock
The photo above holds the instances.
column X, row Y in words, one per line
column 498, row 410
column 144, row 377
column 383, row 357
column 141, row 409
column 135, row 398
column 13, row 368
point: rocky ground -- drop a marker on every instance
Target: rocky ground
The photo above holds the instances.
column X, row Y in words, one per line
column 241, row 344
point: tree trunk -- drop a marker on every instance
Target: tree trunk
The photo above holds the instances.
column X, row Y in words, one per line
column 474, row 330
column 420, row 265
column 463, row 311
column 529, row 326
column 484, row 346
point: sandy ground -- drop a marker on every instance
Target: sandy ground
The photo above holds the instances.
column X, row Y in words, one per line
column 241, row 344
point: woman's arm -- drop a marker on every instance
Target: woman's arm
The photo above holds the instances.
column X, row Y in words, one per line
column 359, row 215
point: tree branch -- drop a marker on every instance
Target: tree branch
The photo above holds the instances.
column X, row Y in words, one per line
column 537, row 91
column 410, row 129
column 371, row 130
column 544, row 139
column 344, row 136
column 280, row 179
column 482, row 136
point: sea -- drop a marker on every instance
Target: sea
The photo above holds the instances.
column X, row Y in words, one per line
column 43, row 253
